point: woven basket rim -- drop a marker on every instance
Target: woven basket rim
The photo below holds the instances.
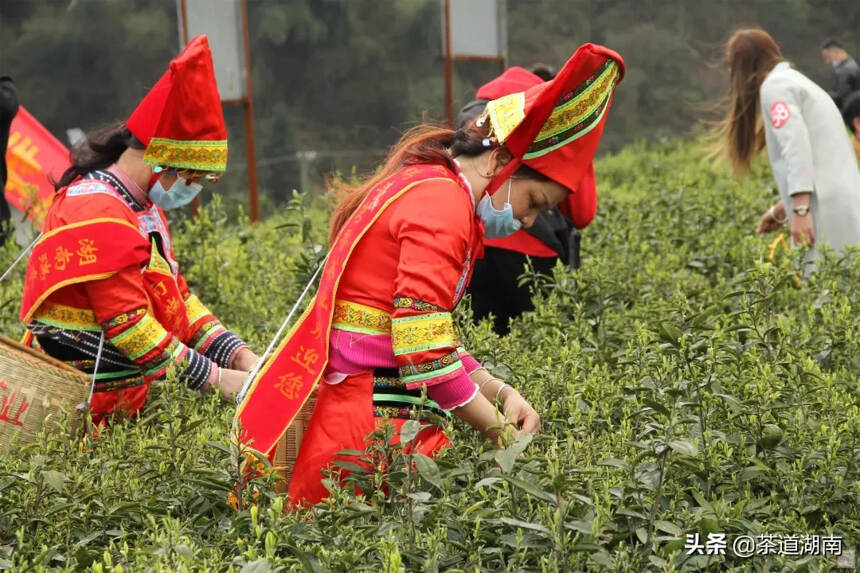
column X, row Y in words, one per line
column 60, row 365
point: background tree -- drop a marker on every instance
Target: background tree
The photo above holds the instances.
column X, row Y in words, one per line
column 344, row 77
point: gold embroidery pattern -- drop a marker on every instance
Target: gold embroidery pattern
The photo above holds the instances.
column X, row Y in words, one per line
column 356, row 317
column 197, row 155
column 430, row 366
column 573, row 112
column 157, row 262
column 416, row 304
column 140, row 338
column 207, row 331
column 124, row 318
column 196, row 309
column 386, row 382
column 422, row 332
column 68, row 317
column 163, row 358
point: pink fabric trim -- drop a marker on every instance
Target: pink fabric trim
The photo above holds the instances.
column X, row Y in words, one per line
column 469, row 363
column 453, row 393
column 129, row 183
column 352, row 352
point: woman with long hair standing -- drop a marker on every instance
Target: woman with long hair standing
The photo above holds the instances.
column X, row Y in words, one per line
column 103, row 290
column 380, row 333
column 772, row 104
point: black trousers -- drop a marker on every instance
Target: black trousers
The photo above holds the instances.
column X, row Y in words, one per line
column 494, row 287
column 5, row 219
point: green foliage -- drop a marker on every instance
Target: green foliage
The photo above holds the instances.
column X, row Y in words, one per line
column 686, row 385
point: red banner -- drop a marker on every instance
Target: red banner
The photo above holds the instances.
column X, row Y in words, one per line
column 281, row 388
column 34, row 158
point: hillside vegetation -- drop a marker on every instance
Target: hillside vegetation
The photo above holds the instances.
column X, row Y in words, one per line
column 686, row 383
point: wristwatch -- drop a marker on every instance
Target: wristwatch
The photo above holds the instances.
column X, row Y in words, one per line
column 801, row 210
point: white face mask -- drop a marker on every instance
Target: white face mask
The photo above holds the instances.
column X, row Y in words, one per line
column 179, row 194
column 498, row 224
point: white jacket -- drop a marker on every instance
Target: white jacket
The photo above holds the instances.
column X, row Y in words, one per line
column 810, row 150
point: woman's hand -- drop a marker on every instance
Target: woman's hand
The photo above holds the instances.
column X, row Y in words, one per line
column 245, row 359
column 230, row 382
column 769, row 220
column 520, row 412
column 802, row 229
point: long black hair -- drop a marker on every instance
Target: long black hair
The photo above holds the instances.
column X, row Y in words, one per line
column 100, row 149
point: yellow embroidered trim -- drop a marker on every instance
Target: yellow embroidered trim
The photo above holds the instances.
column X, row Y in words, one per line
column 506, row 113
column 355, row 317
column 140, row 338
column 63, row 316
column 61, row 284
column 197, row 155
column 196, row 309
column 580, row 107
column 157, row 262
column 53, row 232
column 124, row 318
column 422, row 332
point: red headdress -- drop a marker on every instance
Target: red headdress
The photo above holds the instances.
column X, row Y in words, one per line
column 555, row 127
column 180, row 120
column 514, row 79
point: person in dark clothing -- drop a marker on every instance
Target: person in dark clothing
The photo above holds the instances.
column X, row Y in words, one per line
column 553, row 236
column 851, row 115
column 845, row 70
column 8, row 110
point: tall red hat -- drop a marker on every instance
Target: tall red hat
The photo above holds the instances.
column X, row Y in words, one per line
column 555, row 127
column 514, row 79
column 180, row 120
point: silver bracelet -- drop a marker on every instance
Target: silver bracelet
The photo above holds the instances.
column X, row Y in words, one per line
column 502, row 387
column 481, row 385
column 218, row 382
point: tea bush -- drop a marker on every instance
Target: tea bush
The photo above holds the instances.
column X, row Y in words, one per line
column 688, row 385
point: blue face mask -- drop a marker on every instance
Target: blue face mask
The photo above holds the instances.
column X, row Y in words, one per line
column 498, row 224
column 179, row 194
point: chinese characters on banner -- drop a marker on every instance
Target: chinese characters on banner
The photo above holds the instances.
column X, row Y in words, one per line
column 13, row 405
column 34, row 158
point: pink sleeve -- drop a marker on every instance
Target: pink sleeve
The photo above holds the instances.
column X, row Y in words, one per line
column 469, row 363
column 453, row 393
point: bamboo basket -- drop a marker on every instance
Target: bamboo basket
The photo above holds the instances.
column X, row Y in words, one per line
column 35, row 387
column 288, row 447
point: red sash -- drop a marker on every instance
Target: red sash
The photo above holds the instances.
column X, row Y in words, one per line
column 77, row 253
column 164, row 294
column 97, row 249
column 281, row 388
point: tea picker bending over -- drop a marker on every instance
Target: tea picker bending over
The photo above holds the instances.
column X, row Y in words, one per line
column 105, row 272
column 380, row 331
column 495, row 287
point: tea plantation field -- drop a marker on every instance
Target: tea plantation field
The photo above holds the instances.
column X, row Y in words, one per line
column 688, row 386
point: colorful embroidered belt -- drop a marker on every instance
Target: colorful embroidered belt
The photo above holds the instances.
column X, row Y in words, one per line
column 355, row 317
column 110, row 380
column 391, row 399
